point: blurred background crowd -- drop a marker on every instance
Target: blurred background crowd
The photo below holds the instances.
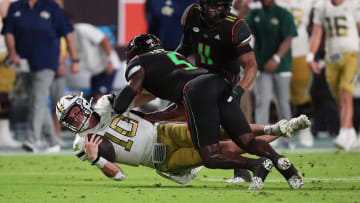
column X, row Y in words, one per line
column 83, row 49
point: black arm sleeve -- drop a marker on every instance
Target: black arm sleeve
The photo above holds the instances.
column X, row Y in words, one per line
column 184, row 47
column 123, row 100
column 242, row 37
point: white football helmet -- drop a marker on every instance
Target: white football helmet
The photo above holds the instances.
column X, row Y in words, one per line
column 64, row 106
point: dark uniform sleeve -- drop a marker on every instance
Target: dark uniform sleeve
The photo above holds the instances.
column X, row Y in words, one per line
column 241, row 37
column 288, row 27
column 184, row 47
column 9, row 21
column 132, row 67
column 61, row 22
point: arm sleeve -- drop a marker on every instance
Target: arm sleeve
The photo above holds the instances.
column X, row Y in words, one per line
column 356, row 11
column 319, row 13
column 288, row 27
column 90, row 32
column 61, row 22
column 133, row 67
column 9, row 21
column 241, row 37
column 184, row 47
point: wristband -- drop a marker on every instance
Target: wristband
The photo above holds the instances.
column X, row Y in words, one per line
column 99, row 162
column 276, row 58
column 310, row 57
column 119, row 176
column 75, row 60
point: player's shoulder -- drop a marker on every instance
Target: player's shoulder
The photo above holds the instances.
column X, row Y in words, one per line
column 190, row 12
column 239, row 28
column 132, row 67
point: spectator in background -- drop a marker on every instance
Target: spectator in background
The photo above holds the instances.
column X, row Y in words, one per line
column 32, row 31
column 273, row 28
column 97, row 58
column 301, row 75
column 341, row 20
column 57, row 89
column 7, row 79
column 164, row 20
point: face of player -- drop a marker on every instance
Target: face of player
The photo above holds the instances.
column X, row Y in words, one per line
column 75, row 117
column 336, row 2
column 267, row 3
column 214, row 11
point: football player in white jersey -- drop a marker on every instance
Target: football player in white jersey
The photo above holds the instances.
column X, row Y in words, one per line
column 301, row 75
column 132, row 140
column 341, row 22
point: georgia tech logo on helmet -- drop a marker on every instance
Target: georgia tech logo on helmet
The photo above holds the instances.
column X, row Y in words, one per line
column 59, row 106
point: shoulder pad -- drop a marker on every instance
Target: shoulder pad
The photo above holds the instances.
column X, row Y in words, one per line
column 188, row 12
column 241, row 34
column 132, row 67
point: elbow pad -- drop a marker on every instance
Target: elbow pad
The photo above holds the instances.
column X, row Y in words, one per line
column 123, row 100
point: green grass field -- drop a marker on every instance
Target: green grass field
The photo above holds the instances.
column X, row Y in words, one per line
column 328, row 177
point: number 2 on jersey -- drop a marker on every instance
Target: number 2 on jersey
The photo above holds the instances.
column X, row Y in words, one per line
column 116, row 125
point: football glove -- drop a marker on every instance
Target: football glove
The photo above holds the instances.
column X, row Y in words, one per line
column 238, row 92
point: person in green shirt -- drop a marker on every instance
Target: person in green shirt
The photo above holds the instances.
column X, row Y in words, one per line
column 273, row 28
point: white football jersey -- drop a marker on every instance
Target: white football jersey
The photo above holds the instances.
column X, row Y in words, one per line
column 340, row 25
column 301, row 10
column 132, row 137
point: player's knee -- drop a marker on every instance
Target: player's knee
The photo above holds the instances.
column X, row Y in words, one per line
column 209, row 162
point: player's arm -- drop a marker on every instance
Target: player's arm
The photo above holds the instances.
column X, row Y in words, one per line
column 97, row 156
column 316, row 36
column 173, row 112
column 135, row 74
column 246, row 57
column 315, row 40
column 185, row 47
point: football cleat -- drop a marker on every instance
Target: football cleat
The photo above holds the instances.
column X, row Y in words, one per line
column 260, row 172
column 299, row 123
column 290, row 173
column 240, row 176
column 281, row 129
column 183, row 177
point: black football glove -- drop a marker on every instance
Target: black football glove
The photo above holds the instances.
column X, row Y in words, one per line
column 238, row 92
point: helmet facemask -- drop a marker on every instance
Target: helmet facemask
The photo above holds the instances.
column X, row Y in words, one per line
column 215, row 5
column 66, row 104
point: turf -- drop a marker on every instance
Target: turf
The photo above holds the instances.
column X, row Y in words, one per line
column 328, row 177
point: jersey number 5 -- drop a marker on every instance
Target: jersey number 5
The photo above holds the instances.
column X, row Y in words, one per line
column 124, row 126
column 176, row 61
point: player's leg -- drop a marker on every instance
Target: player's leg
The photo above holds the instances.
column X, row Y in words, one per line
column 234, row 122
column 203, row 121
column 343, row 91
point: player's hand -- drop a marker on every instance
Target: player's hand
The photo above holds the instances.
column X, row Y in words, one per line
column 92, row 146
column 14, row 59
column 271, row 66
column 238, row 92
column 61, row 70
column 75, row 67
column 314, row 66
column 109, row 68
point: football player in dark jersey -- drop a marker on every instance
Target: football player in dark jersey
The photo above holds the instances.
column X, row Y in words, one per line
column 205, row 96
column 220, row 41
